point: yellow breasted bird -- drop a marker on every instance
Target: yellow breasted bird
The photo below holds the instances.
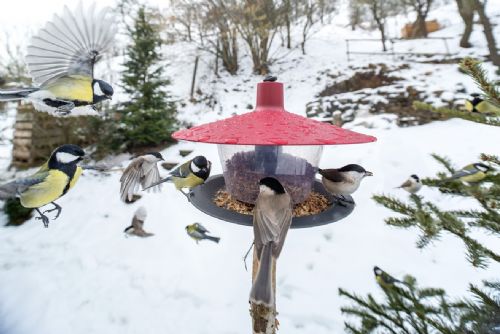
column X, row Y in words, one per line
column 477, row 104
column 384, row 279
column 61, row 59
column 198, row 232
column 190, row 174
column 53, row 180
column 471, row 173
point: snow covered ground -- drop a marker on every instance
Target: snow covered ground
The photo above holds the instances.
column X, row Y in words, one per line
column 81, row 275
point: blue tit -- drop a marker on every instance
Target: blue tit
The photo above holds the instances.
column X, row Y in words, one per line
column 61, row 59
column 142, row 171
column 272, row 217
column 198, row 232
column 137, row 226
column 53, row 180
column 412, row 185
column 190, row 174
column 343, row 181
column 477, row 104
column 471, row 173
column 384, row 279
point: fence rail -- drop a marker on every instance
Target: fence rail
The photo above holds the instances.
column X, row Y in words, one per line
column 392, row 52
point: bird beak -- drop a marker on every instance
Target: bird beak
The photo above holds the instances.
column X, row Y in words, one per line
column 368, row 173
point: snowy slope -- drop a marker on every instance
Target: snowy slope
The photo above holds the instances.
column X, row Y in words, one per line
column 83, row 276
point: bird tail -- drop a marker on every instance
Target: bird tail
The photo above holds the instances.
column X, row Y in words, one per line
column 167, row 179
column 15, row 94
column 262, row 288
column 214, row 239
column 7, row 191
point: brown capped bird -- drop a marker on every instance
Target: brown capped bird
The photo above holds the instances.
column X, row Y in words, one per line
column 136, row 228
column 343, row 181
column 142, row 171
column 271, row 221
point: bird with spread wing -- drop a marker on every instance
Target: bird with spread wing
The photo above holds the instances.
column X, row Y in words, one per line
column 61, row 59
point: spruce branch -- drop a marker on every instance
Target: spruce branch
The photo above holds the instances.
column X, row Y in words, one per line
column 475, row 70
column 452, row 113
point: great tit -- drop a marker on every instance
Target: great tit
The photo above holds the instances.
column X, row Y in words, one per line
column 343, row 181
column 142, row 171
column 190, row 174
column 272, row 217
column 53, row 180
column 384, row 279
column 477, row 104
column 199, row 232
column 412, row 185
column 136, row 228
column 61, row 59
column 471, row 173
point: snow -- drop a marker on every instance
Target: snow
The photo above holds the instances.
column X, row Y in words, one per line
column 82, row 275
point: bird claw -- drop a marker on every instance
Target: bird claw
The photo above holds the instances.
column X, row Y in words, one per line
column 56, row 207
column 44, row 219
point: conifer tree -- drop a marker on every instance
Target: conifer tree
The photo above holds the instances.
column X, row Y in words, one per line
column 148, row 118
column 408, row 309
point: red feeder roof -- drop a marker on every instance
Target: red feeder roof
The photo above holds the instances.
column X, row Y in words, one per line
column 271, row 124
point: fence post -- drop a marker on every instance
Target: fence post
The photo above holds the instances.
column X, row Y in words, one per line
column 194, row 77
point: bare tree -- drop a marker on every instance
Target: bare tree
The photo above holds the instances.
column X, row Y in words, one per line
column 257, row 22
column 379, row 10
column 466, row 10
column 479, row 6
column 421, row 8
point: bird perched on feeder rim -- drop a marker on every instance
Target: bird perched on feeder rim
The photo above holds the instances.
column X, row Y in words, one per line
column 198, row 232
column 53, row 180
column 271, row 221
column 61, row 59
column 190, row 174
column 343, row 181
column 471, row 173
column 142, row 171
column 384, row 279
column 412, row 185
column 136, row 228
column 479, row 105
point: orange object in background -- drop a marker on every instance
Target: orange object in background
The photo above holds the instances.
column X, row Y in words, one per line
column 431, row 26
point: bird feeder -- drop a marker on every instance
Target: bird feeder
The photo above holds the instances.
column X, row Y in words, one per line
column 268, row 141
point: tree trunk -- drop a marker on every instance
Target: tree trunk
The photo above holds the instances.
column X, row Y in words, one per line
column 488, row 32
column 466, row 10
column 419, row 29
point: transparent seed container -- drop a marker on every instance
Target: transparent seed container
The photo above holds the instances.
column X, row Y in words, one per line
column 244, row 165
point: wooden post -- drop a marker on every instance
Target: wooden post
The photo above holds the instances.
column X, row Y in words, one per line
column 347, row 49
column 263, row 318
column 217, row 59
column 194, row 77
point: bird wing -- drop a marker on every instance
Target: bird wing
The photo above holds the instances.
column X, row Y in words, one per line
column 331, row 174
column 202, row 229
column 70, row 44
column 406, row 184
column 20, row 185
column 137, row 224
column 271, row 223
column 182, row 171
column 131, row 178
column 151, row 177
column 467, row 170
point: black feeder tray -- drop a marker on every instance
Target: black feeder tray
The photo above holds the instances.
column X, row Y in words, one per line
column 202, row 198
